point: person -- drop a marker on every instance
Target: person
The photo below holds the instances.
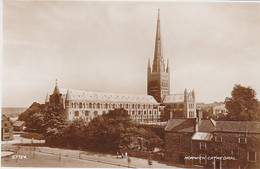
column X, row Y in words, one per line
column 122, row 155
column 126, row 154
column 117, row 154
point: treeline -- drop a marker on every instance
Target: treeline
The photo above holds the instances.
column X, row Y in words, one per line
column 109, row 132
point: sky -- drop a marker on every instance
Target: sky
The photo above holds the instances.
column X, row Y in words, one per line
column 105, row 46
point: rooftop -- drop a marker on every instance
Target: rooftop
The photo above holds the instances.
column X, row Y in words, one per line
column 83, row 95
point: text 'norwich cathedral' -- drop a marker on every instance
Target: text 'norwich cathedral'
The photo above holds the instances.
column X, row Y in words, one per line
column 141, row 108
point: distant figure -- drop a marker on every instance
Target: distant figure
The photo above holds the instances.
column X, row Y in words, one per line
column 126, row 154
column 117, row 154
column 122, row 155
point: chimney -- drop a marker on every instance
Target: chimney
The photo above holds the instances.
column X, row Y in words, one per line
column 170, row 115
column 198, row 119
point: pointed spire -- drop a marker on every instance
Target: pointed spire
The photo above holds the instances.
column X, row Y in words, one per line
column 47, row 99
column 56, row 90
column 158, row 64
column 68, row 97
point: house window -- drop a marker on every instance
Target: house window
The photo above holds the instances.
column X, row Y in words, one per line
column 235, row 153
column 203, row 159
column 76, row 113
column 218, row 139
column 202, row 146
column 251, row 156
column 242, row 140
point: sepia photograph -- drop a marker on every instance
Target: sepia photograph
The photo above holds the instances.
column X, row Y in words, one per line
column 130, row 84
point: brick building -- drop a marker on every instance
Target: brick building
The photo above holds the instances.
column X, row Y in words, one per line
column 213, row 144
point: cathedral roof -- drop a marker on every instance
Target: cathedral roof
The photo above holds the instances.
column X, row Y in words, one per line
column 174, row 98
column 83, row 95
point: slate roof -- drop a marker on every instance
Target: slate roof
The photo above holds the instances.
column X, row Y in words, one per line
column 174, row 98
column 181, row 125
column 188, row 125
column 206, row 126
column 202, row 136
column 83, row 95
column 237, row 126
column 18, row 123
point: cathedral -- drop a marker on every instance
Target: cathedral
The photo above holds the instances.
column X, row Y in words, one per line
column 82, row 104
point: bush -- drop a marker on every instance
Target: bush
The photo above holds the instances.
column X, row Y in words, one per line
column 35, row 136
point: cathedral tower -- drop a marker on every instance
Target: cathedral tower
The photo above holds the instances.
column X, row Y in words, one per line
column 158, row 77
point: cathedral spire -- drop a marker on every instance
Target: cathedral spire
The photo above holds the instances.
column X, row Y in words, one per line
column 158, row 64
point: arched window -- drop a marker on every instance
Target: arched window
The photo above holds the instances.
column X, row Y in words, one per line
column 106, row 106
column 150, row 112
column 120, row 106
column 133, row 106
column 113, row 106
column 86, row 113
column 139, row 106
column 126, row 106
column 80, row 105
column 95, row 113
column 139, row 112
column 145, row 112
column 133, row 112
column 76, row 113
column 90, row 105
column 144, row 106
column 98, row 106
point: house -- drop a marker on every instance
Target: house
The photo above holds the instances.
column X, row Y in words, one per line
column 6, row 129
column 19, row 125
column 213, row 144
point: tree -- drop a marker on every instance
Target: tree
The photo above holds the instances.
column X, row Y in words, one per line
column 43, row 117
column 243, row 105
column 115, row 129
column 33, row 117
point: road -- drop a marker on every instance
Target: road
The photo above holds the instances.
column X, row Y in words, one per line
column 56, row 157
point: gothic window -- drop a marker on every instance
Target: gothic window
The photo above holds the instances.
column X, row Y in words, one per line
column 98, row 106
column 139, row 106
column 113, row 106
column 144, row 106
column 150, row 112
column 90, row 105
column 95, row 113
column 145, row 112
column 139, row 112
column 76, row 113
column 133, row 112
column 80, row 105
column 126, row 106
column 121, row 106
column 106, row 106
column 86, row 113
column 133, row 106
